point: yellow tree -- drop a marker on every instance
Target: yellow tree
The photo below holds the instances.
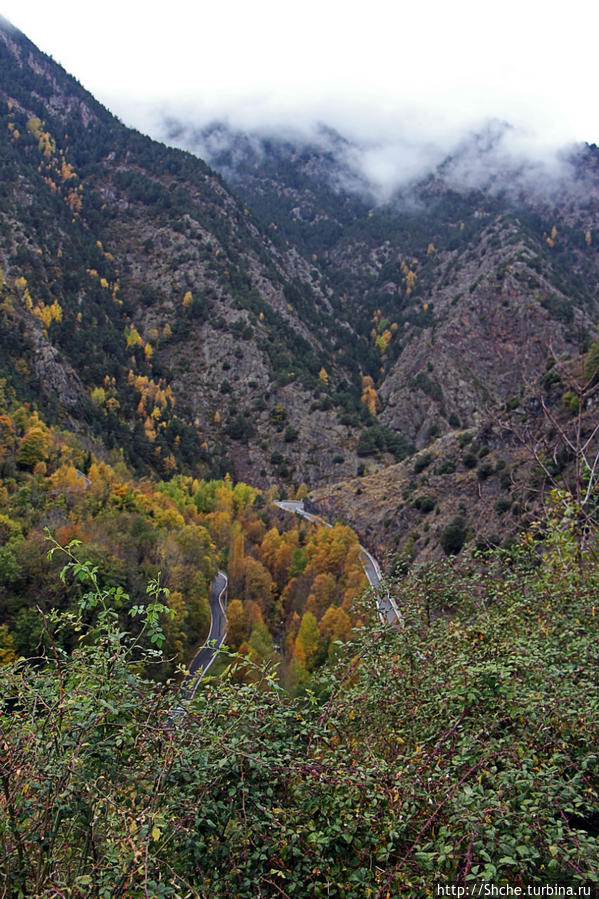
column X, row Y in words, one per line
column 68, row 483
column 301, row 492
column 237, row 624
column 219, row 523
column 33, row 446
column 7, row 437
column 307, row 640
column 336, row 623
column 323, row 593
column 236, row 566
column 258, row 583
column 253, row 610
column 8, row 650
column 369, row 394
column 243, row 497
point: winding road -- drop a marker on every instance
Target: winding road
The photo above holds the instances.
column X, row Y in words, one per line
column 203, row 659
column 386, row 605
column 205, row 656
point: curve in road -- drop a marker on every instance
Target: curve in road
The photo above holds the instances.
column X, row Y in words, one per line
column 386, row 605
column 205, row 656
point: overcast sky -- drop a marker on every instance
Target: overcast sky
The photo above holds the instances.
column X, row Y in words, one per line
column 370, row 67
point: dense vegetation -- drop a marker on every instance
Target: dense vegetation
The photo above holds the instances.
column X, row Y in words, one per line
column 291, row 584
column 458, row 748
column 326, row 754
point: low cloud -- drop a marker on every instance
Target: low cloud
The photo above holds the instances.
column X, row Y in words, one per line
column 378, row 155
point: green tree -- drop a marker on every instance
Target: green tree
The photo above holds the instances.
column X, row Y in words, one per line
column 260, row 640
column 33, row 446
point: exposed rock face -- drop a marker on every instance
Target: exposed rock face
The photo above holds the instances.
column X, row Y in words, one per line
column 295, row 331
column 490, row 338
column 57, row 376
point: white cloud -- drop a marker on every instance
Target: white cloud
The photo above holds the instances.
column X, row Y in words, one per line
column 404, row 80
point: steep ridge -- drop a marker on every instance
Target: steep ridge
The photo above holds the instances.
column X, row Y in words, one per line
column 148, row 302
column 466, row 285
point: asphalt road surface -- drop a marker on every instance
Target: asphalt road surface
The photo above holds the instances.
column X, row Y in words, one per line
column 205, row 656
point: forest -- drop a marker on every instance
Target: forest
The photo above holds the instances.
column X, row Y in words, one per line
column 458, row 748
column 291, row 583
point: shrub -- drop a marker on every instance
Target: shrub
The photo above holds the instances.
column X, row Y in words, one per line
column 502, row 504
column 448, row 466
column 278, row 416
column 571, row 402
column 424, row 503
column 484, row 471
column 469, row 460
column 591, row 365
column 453, row 536
column 366, row 444
column 496, row 691
column 422, row 462
column 379, row 438
column 427, row 385
column 240, row 427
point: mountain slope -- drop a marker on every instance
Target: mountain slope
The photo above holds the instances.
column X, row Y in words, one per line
column 150, row 303
column 465, row 285
column 321, row 339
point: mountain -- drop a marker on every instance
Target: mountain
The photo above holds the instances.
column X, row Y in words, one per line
column 277, row 317
column 144, row 302
column 465, row 283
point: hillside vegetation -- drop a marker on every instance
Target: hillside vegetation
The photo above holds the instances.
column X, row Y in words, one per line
column 291, row 585
column 459, row 748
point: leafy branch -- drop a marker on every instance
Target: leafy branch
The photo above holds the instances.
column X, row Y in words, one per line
column 108, row 599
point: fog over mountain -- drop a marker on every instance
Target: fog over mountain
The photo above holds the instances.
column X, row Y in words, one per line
column 405, row 87
column 380, row 160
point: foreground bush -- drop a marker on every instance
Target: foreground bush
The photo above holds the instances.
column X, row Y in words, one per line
column 459, row 747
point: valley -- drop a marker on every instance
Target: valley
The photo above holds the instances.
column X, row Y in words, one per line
column 299, row 510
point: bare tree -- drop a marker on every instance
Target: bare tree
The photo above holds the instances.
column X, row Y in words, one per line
column 565, row 444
